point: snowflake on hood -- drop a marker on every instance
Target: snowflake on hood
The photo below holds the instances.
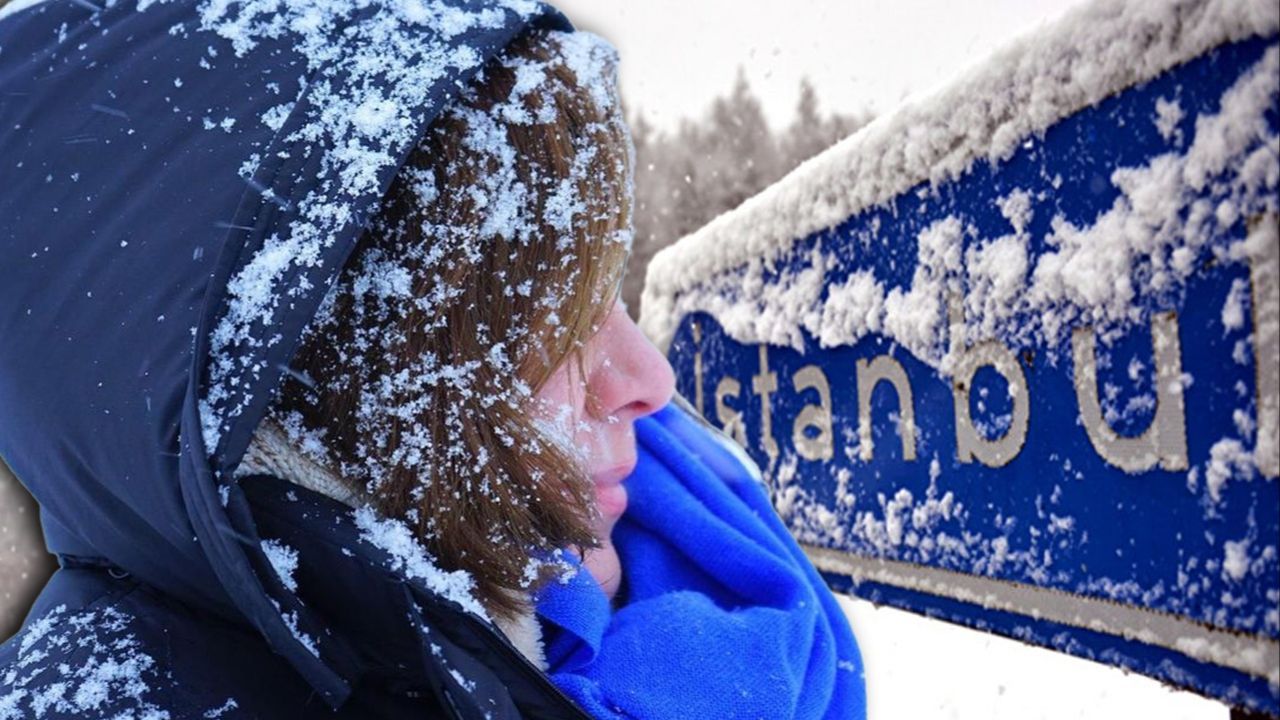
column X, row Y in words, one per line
column 373, row 69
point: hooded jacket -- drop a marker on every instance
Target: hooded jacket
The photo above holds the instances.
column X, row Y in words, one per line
column 188, row 180
column 182, row 182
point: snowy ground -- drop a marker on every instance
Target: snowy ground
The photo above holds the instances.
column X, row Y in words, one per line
column 922, row 668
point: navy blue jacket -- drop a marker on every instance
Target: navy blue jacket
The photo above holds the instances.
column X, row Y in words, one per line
column 158, row 158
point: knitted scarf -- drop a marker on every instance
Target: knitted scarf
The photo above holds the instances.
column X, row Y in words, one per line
column 724, row 617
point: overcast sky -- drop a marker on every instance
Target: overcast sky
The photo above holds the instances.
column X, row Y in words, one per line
column 679, row 54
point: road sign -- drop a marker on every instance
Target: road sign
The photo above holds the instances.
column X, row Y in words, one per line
column 1010, row 356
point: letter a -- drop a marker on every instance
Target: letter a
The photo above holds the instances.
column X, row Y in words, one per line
column 870, row 374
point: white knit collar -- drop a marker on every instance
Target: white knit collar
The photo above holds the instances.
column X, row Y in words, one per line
column 271, row 452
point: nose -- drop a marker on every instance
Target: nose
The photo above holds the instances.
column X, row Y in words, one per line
column 631, row 378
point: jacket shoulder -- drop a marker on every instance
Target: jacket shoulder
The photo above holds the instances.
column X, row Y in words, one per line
column 77, row 661
column 124, row 650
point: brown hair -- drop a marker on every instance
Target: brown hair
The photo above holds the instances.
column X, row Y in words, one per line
column 495, row 255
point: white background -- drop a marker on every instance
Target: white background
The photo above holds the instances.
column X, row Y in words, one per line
column 860, row 54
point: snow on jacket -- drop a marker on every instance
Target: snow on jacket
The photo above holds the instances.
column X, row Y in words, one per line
column 182, row 182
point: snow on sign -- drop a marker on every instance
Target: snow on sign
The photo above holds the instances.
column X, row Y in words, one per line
column 1009, row 356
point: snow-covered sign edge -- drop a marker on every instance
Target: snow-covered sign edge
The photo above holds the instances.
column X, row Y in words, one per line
column 1092, row 53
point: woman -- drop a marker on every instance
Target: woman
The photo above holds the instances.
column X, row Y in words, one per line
column 294, row 463
column 459, row 339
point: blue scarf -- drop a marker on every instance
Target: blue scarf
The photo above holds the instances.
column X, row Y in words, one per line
column 724, row 615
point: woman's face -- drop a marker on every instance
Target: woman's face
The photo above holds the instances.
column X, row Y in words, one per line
column 624, row 378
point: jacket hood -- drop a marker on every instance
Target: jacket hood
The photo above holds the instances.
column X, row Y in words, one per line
column 184, row 182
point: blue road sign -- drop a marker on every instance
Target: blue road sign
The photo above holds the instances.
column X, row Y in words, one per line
column 1055, row 415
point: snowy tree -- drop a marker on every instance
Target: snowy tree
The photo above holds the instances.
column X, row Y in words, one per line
column 742, row 154
column 810, row 133
column 711, row 165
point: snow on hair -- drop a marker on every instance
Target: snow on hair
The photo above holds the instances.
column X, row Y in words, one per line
column 495, row 255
